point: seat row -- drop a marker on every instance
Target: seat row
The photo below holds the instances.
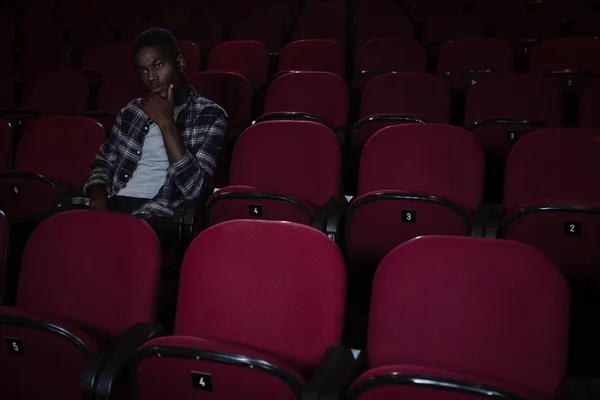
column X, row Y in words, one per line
column 494, row 102
column 260, row 315
column 430, row 176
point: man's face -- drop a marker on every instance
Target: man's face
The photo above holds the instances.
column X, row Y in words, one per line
column 158, row 69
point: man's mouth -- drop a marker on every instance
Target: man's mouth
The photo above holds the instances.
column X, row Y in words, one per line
column 157, row 89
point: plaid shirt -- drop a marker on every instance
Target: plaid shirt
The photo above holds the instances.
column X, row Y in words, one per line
column 202, row 125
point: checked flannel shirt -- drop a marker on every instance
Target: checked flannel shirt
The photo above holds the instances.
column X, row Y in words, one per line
column 202, row 125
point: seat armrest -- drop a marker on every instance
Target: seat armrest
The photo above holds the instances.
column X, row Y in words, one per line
column 329, row 219
column 103, row 369
column 492, row 226
column 482, row 214
column 332, row 376
column 187, row 216
column 21, row 111
column 579, row 389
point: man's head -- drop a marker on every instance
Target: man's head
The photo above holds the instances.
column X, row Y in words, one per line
column 156, row 56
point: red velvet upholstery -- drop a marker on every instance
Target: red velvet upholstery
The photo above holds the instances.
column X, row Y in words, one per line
column 281, row 287
column 461, row 308
column 91, row 276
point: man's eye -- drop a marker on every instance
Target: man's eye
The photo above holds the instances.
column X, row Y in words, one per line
column 159, row 65
column 143, row 72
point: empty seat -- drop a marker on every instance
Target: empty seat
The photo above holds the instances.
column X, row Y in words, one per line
column 88, row 34
column 191, row 54
column 46, row 57
column 319, row 96
column 280, row 170
column 4, row 246
column 585, row 25
column 494, row 9
column 525, row 31
column 68, row 90
column 105, row 59
column 571, row 60
column 552, row 199
column 422, row 10
column 8, row 23
column 466, row 307
column 313, row 55
column 286, row 302
column 401, row 98
column 118, row 90
column 384, row 55
column 364, row 10
column 40, row 28
column 7, row 141
column 231, row 91
column 442, row 29
column 462, row 61
column 502, row 108
column 261, row 27
column 414, row 179
column 206, row 32
column 50, row 93
column 7, row 92
column 321, row 20
column 381, row 26
column 53, row 157
column 246, row 57
column 7, row 58
column 65, row 315
column 589, row 104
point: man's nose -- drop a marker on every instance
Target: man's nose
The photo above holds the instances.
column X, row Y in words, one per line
column 152, row 75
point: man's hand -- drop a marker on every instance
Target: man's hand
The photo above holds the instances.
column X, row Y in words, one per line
column 98, row 200
column 159, row 110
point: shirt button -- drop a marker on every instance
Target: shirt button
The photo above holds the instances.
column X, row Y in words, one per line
column 126, row 176
column 138, row 152
column 146, row 129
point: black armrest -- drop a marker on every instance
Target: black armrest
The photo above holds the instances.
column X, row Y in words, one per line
column 57, row 186
column 66, row 200
column 492, row 226
column 103, row 369
column 332, row 376
column 187, row 215
column 19, row 111
column 479, row 220
column 329, row 218
column 579, row 389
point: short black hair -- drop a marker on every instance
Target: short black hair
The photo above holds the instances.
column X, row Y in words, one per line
column 160, row 37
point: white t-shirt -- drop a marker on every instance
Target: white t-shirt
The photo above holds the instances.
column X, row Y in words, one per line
column 151, row 171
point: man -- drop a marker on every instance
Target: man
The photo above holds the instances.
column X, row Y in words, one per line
column 163, row 148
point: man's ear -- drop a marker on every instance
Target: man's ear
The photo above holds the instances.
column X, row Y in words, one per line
column 181, row 63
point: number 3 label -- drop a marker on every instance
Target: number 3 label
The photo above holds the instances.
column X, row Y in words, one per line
column 409, row 216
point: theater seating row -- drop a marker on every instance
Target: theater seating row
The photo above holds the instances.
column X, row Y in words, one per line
column 260, row 315
column 274, row 23
column 413, row 179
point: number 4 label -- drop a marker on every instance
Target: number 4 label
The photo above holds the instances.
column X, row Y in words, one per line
column 15, row 346
column 202, row 381
column 572, row 228
column 255, row 210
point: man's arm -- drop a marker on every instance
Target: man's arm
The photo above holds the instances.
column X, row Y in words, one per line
column 193, row 170
column 103, row 168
